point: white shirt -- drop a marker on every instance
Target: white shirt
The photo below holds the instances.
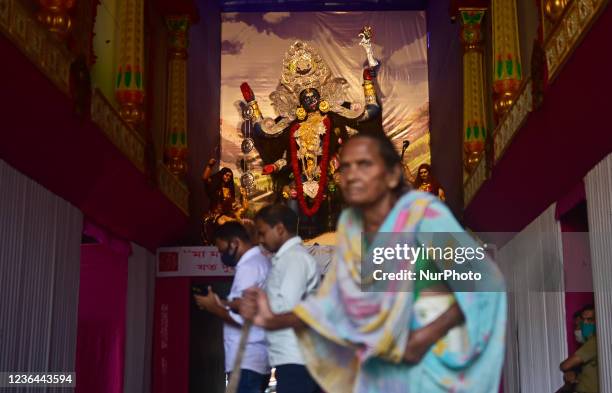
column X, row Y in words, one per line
column 294, row 275
column 251, row 270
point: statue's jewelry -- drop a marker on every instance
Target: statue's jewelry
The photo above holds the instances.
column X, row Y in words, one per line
column 300, row 113
column 247, row 180
column 324, row 106
column 247, row 145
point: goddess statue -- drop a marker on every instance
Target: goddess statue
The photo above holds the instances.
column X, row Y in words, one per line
column 299, row 148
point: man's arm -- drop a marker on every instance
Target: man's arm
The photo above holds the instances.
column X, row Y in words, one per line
column 255, row 307
column 221, row 312
column 422, row 339
column 213, row 305
column 570, row 363
column 584, row 354
column 233, row 304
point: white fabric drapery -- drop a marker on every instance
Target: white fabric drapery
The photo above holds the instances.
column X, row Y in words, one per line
column 40, row 238
column 598, row 184
column 139, row 321
column 536, row 340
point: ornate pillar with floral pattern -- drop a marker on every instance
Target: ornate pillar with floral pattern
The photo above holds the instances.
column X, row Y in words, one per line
column 129, row 89
column 176, row 144
column 474, row 115
column 507, row 70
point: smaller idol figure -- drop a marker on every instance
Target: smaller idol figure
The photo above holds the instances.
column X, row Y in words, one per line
column 221, row 192
column 427, row 183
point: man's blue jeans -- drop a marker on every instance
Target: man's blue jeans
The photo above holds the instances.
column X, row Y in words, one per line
column 294, row 378
column 252, row 382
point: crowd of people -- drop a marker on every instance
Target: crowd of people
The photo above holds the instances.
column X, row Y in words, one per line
column 336, row 335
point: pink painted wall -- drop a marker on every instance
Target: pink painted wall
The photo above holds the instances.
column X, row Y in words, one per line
column 171, row 335
column 101, row 320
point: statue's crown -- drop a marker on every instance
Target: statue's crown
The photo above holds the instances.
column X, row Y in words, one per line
column 303, row 68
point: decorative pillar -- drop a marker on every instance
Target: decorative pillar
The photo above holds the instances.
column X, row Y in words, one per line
column 129, row 89
column 507, row 71
column 176, row 144
column 474, row 114
column 55, row 16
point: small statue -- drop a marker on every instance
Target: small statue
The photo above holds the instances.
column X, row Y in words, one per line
column 221, row 192
column 427, row 183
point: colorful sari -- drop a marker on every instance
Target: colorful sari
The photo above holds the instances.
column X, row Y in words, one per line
column 356, row 339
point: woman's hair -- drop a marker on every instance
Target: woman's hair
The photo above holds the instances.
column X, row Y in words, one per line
column 390, row 156
column 217, row 182
column 225, row 170
column 418, row 181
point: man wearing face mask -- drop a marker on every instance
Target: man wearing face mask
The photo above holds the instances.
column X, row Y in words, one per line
column 586, row 356
column 578, row 327
column 237, row 250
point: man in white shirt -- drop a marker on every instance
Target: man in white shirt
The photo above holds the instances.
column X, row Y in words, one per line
column 237, row 250
column 294, row 274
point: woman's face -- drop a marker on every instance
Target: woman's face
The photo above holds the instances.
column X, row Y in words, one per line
column 227, row 177
column 364, row 178
column 424, row 173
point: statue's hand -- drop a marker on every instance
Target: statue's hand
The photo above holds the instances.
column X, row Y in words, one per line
column 247, row 92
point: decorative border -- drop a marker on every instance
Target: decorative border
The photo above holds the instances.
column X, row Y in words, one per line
column 45, row 51
column 512, row 121
column 173, row 188
column 474, row 182
column 575, row 23
column 127, row 140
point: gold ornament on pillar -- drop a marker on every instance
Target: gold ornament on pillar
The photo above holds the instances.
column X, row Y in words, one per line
column 474, row 115
column 129, row 89
column 55, row 16
column 507, row 70
column 176, row 145
column 553, row 9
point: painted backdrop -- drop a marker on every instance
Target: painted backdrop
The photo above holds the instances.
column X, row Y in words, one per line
column 253, row 47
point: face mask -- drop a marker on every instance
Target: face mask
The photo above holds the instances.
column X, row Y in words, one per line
column 228, row 258
column 588, row 329
column 578, row 336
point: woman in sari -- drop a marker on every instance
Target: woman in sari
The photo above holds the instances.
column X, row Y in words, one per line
column 422, row 336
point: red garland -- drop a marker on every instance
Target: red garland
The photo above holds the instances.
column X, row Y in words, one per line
column 310, row 211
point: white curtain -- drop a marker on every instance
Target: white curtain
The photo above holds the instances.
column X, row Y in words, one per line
column 599, row 205
column 139, row 321
column 40, row 238
column 536, row 339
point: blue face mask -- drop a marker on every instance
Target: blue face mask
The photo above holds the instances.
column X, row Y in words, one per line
column 588, row 329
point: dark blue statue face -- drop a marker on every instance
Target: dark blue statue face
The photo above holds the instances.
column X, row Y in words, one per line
column 309, row 99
